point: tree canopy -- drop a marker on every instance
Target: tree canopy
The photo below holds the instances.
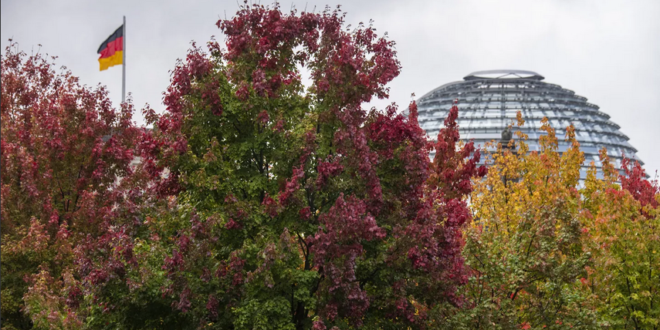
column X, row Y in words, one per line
column 259, row 200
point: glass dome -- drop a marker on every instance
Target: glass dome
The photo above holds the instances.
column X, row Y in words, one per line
column 489, row 100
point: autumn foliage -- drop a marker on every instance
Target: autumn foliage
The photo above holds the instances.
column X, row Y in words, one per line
column 262, row 203
column 63, row 149
column 298, row 208
column 548, row 252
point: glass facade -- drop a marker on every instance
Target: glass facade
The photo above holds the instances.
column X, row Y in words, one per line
column 489, row 100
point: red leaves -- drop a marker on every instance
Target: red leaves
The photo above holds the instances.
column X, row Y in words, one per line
column 259, row 82
column 173, row 263
column 184, row 303
column 291, row 186
column 211, row 97
column 305, row 213
column 242, row 93
column 336, row 248
column 352, row 142
column 391, row 131
column 339, row 56
column 346, row 222
column 453, row 168
column 432, row 240
column 231, row 224
column 263, row 117
column 236, row 265
column 65, row 149
column 318, row 325
column 212, row 307
column 635, row 182
column 100, row 260
column 270, row 206
column 328, row 169
column 403, row 141
column 74, row 296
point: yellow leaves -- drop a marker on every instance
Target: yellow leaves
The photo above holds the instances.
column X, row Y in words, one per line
column 419, row 307
column 611, row 175
column 526, row 196
column 520, row 119
column 570, row 134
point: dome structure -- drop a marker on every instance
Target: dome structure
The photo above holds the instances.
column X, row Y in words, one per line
column 488, row 102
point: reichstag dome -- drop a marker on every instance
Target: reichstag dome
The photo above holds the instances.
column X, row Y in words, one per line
column 489, row 100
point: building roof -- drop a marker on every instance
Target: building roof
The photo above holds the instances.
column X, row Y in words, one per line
column 488, row 102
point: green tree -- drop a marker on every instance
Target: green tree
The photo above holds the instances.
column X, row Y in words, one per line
column 623, row 234
column 282, row 207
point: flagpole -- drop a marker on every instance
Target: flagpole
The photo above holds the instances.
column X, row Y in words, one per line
column 123, row 69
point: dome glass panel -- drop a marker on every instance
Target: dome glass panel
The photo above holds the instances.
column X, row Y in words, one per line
column 489, row 100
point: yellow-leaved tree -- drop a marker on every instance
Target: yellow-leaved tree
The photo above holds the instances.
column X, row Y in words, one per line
column 524, row 245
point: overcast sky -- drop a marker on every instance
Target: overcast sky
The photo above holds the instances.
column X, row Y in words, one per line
column 607, row 51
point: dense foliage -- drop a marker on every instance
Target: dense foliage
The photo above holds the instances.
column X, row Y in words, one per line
column 285, row 207
column 261, row 203
column 623, row 234
column 548, row 252
column 63, row 149
column 524, row 246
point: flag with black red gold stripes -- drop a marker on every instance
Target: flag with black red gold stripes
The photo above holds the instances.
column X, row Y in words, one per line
column 112, row 50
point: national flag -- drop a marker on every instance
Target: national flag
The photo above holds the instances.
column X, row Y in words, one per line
column 112, row 50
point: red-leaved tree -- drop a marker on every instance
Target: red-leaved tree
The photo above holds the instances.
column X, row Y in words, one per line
column 63, row 149
column 288, row 207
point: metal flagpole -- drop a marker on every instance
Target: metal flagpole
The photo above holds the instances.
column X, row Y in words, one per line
column 123, row 69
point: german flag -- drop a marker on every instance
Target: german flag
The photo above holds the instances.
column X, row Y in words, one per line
column 112, row 50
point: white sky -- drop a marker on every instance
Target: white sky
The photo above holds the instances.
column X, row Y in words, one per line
column 607, row 51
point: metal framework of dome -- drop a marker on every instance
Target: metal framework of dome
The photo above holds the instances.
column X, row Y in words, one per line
column 489, row 100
